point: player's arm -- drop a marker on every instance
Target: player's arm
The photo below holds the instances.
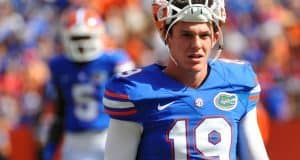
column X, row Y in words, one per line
column 122, row 140
column 56, row 129
column 125, row 127
column 251, row 146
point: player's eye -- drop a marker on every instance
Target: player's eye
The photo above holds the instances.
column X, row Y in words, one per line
column 205, row 35
column 187, row 35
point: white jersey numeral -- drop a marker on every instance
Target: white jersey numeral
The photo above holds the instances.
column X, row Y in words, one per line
column 86, row 106
column 129, row 72
column 212, row 139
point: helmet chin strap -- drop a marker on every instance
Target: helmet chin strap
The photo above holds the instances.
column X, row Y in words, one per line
column 171, row 56
column 173, row 59
column 221, row 45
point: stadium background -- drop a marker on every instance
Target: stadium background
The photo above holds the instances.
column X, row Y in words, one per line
column 264, row 32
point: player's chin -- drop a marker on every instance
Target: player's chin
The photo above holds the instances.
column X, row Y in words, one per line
column 194, row 64
column 195, row 67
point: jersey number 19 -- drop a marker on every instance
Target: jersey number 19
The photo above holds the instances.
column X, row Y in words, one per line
column 212, row 138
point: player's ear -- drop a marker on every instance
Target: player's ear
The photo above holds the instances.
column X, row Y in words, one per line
column 215, row 38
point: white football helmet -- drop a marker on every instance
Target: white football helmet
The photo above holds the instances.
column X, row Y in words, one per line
column 167, row 12
column 82, row 34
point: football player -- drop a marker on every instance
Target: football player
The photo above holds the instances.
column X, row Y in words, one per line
column 79, row 77
column 197, row 106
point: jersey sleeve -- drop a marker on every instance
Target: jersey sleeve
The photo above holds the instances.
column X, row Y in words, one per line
column 122, row 61
column 53, row 68
column 255, row 88
column 53, row 93
column 241, row 76
column 117, row 100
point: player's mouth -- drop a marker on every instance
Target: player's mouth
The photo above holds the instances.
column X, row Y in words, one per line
column 195, row 56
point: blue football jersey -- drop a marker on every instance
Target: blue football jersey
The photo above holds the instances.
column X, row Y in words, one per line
column 81, row 86
column 182, row 123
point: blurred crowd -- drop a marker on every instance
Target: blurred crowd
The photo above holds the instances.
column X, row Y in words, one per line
column 264, row 32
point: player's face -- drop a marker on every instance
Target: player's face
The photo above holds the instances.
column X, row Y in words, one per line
column 190, row 44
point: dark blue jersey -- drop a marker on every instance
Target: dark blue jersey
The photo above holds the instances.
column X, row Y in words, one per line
column 182, row 123
column 81, row 87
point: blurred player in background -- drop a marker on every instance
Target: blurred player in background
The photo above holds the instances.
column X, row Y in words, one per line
column 196, row 107
column 79, row 76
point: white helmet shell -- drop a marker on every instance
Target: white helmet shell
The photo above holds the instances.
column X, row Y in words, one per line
column 82, row 35
column 167, row 12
